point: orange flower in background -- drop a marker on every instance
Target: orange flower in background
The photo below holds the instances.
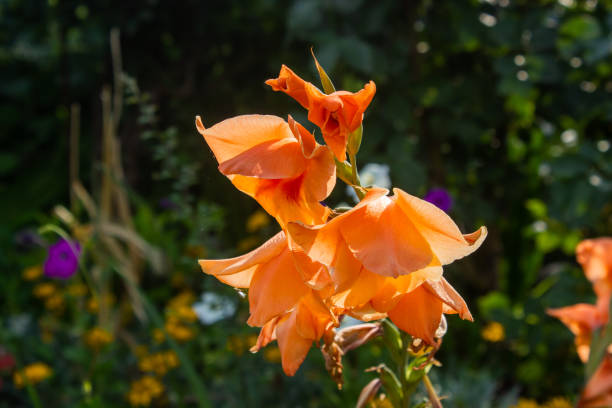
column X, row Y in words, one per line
column 598, row 391
column 595, row 256
column 337, row 114
column 278, row 163
column 582, row 320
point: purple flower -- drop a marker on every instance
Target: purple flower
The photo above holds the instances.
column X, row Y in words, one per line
column 440, row 198
column 62, row 259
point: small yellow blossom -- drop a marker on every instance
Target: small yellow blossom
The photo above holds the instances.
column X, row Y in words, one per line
column 186, row 314
column 493, row 332
column 93, row 304
column 54, row 302
column 272, row 354
column 144, row 391
column 526, row 403
column 558, row 402
column 159, row 363
column 97, row 338
column 43, row 290
column 33, row 373
column 76, row 290
column 257, row 221
column 185, row 298
column 179, row 331
column 32, row 273
column 247, row 243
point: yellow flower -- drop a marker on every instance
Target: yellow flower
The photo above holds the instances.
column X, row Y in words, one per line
column 179, row 332
column 186, row 314
column 54, row 302
column 493, row 332
column 33, row 373
column 93, row 304
column 32, row 273
column 43, row 290
column 558, row 402
column 159, row 363
column 526, row 403
column 257, row 221
column 97, row 338
column 144, row 390
column 76, row 290
column 185, row 298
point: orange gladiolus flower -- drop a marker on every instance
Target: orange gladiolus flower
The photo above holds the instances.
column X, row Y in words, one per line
column 582, row 320
column 280, row 300
column 390, row 236
column 595, row 256
column 598, row 391
column 278, row 163
column 385, row 258
column 337, row 114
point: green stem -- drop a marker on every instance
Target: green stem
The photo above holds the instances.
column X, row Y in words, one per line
column 401, row 370
column 431, row 392
column 355, row 182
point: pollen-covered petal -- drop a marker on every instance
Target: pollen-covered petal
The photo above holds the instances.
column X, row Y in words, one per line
column 438, row 229
column 418, row 313
column 275, row 289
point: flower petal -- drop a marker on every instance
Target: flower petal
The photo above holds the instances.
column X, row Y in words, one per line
column 418, row 313
column 438, row 229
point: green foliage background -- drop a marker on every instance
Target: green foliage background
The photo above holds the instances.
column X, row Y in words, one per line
column 505, row 103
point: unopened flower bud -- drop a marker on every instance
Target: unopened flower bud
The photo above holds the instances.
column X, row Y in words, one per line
column 368, row 392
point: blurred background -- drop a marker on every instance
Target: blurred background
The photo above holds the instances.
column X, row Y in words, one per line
column 504, row 104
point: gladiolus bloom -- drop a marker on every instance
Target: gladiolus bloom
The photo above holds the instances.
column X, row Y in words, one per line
column 598, row 391
column 395, row 268
column 337, row 114
column 279, row 299
column 582, row 320
column 390, row 236
column 278, row 163
column 595, row 256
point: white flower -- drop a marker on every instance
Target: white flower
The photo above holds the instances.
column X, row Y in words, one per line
column 213, row 308
column 372, row 174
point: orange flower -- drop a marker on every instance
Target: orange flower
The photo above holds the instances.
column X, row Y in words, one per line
column 296, row 330
column 385, row 258
column 337, row 114
column 598, row 391
column 278, row 163
column 595, row 256
column 582, row 320
column 390, row 236
column 280, row 300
